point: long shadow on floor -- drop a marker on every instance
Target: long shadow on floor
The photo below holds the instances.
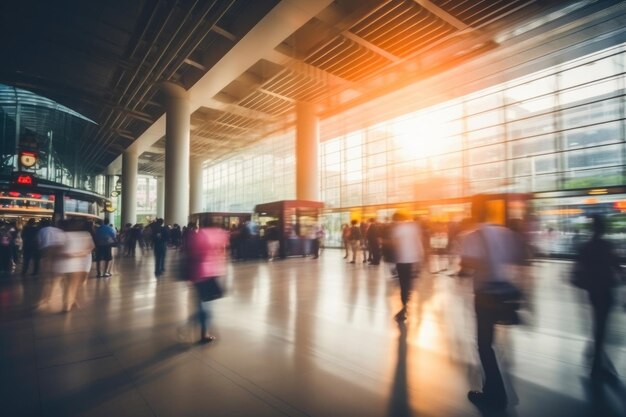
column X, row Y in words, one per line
column 91, row 395
column 399, row 405
column 606, row 400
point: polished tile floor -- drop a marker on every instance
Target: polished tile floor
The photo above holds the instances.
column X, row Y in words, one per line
column 298, row 337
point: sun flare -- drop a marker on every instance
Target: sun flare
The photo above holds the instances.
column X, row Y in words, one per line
column 420, row 137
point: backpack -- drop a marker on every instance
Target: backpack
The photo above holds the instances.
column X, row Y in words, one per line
column 355, row 233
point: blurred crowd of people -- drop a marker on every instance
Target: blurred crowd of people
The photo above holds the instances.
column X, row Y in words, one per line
column 63, row 255
column 494, row 257
column 66, row 251
column 475, row 249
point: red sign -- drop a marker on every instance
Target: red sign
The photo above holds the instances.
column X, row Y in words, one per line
column 14, row 194
column 620, row 205
column 24, row 180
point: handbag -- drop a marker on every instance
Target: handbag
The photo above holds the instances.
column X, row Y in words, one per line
column 209, row 289
column 578, row 276
column 502, row 298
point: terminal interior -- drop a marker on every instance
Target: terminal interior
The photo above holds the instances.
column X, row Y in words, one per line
column 297, row 117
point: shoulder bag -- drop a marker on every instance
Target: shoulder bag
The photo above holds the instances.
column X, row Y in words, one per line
column 502, row 297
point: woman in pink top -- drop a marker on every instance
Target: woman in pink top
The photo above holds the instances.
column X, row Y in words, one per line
column 206, row 257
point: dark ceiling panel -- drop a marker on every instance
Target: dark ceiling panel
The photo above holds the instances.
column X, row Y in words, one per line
column 106, row 59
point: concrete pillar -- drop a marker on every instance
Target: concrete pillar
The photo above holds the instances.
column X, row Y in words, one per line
column 109, row 183
column 307, row 144
column 160, row 212
column 195, row 190
column 129, row 186
column 177, row 125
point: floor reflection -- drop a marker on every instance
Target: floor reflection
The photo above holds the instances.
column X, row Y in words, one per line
column 317, row 335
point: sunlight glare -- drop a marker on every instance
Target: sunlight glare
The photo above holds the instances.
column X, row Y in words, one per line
column 420, row 136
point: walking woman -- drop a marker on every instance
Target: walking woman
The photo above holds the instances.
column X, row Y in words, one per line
column 206, row 257
column 74, row 260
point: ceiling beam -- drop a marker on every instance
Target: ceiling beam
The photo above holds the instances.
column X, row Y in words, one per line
column 370, row 46
column 205, row 139
column 442, row 14
column 217, row 122
column 125, row 134
column 279, row 96
column 237, row 110
column 301, row 67
column 224, row 33
column 195, row 64
column 278, row 24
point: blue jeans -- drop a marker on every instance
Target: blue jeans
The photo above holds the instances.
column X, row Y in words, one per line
column 203, row 316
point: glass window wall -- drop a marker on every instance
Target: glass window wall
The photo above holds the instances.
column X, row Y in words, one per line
column 259, row 174
column 559, row 128
column 562, row 127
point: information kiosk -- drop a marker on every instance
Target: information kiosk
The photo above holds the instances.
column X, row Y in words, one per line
column 297, row 222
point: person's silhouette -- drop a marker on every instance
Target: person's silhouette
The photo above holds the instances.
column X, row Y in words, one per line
column 598, row 267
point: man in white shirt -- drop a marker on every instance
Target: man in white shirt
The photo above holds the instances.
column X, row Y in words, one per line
column 406, row 238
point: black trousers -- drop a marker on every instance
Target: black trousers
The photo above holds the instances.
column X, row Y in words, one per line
column 493, row 386
column 601, row 303
column 28, row 255
column 406, row 273
column 315, row 248
column 5, row 258
column 375, row 252
column 159, row 257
